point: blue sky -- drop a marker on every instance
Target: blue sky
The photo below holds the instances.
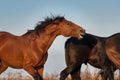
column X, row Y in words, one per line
column 98, row 17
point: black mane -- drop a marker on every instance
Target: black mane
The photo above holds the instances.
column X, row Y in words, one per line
column 42, row 24
column 28, row 32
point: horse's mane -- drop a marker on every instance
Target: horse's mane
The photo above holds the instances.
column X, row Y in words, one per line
column 42, row 24
column 28, row 32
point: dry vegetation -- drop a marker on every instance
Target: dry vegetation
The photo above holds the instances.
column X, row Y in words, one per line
column 86, row 75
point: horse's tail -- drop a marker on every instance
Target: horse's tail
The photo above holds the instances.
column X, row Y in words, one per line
column 67, row 56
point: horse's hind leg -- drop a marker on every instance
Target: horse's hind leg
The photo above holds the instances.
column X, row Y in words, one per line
column 101, row 72
column 76, row 75
column 3, row 66
column 111, row 75
column 108, row 73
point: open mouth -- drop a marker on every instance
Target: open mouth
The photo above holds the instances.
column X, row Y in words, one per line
column 81, row 33
column 80, row 36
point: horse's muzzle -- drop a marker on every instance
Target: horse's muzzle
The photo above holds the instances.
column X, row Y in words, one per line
column 81, row 33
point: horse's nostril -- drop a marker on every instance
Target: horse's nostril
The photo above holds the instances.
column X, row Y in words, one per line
column 83, row 30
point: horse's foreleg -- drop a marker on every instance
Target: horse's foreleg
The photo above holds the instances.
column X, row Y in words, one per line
column 70, row 69
column 76, row 75
column 3, row 67
column 33, row 72
column 37, row 77
column 40, row 72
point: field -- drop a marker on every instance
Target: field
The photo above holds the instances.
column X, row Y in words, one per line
column 86, row 75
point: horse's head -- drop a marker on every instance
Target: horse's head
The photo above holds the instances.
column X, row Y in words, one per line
column 68, row 28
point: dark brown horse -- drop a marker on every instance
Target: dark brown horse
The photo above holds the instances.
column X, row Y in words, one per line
column 90, row 49
column 29, row 51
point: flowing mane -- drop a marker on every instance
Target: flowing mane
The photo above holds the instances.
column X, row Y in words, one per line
column 42, row 24
column 28, row 32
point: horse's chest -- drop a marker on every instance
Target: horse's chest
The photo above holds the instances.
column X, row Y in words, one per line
column 42, row 61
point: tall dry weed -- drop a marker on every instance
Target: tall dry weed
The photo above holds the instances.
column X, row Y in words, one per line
column 86, row 75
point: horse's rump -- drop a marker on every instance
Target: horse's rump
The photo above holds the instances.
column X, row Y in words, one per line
column 112, row 47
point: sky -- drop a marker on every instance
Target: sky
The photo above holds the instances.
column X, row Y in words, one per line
column 98, row 17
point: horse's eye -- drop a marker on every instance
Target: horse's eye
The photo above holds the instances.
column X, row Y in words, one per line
column 68, row 24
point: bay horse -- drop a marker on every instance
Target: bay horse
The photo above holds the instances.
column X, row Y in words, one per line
column 29, row 51
column 90, row 49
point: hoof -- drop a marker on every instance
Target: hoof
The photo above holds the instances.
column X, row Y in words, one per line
column 37, row 77
column 63, row 75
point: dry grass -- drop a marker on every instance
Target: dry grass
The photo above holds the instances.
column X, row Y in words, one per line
column 86, row 75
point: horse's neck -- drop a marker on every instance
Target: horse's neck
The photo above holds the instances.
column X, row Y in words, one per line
column 46, row 38
column 29, row 36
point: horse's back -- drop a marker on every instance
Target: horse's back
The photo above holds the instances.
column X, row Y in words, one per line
column 11, row 45
column 4, row 35
column 114, row 41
